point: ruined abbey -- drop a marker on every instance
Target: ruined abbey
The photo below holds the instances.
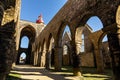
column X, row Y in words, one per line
column 47, row 45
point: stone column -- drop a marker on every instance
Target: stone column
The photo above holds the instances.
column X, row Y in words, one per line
column 39, row 59
column 35, row 57
column 7, row 37
column 99, row 59
column 43, row 59
column 114, row 46
column 58, row 58
column 48, row 60
column 76, row 58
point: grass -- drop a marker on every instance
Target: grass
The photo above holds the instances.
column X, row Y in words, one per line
column 13, row 77
column 91, row 74
column 87, row 72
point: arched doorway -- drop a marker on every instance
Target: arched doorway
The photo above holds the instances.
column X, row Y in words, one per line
column 22, row 58
column 66, row 54
column 63, row 37
column 104, row 47
column 27, row 38
column 96, row 38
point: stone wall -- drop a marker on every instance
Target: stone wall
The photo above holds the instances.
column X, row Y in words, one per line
column 87, row 60
column 9, row 20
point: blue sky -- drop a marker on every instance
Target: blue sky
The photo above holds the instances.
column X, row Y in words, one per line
column 31, row 9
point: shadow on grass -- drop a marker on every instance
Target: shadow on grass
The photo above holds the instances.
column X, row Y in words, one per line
column 31, row 71
column 92, row 70
column 89, row 72
column 12, row 78
column 65, row 71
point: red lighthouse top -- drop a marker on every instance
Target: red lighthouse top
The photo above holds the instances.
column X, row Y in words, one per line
column 39, row 20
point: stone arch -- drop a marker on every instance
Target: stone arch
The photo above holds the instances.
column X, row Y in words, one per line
column 58, row 45
column 20, row 52
column 98, row 57
column 106, row 55
column 60, row 32
column 30, row 32
column 118, row 16
column 78, row 38
column 23, row 60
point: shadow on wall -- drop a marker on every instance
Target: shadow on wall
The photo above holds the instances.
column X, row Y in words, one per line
column 7, row 46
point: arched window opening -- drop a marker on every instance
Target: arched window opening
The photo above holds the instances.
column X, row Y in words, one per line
column 95, row 23
column 51, row 49
column 105, row 52
column 66, row 37
column 82, row 49
column 52, row 42
column 22, row 58
column 105, row 39
column 65, row 50
column 24, row 42
column 67, row 29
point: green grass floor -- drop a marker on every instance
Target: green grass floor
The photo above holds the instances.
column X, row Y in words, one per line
column 13, row 77
column 88, row 73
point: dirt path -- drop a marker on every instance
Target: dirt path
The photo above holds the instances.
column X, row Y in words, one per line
column 38, row 73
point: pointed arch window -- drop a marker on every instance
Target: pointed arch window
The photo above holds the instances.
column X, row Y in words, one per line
column 24, row 42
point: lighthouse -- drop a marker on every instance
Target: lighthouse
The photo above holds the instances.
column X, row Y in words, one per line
column 40, row 19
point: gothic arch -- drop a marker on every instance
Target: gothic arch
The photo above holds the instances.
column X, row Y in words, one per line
column 60, row 33
column 78, row 38
column 50, row 53
column 30, row 32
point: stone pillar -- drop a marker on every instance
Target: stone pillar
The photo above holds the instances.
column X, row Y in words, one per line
column 114, row 46
column 76, row 58
column 7, row 36
column 58, row 58
column 48, row 60
column 39, row 59
column 99, row 60
column 78, row 47
column 35, row 58
column 43, row 58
